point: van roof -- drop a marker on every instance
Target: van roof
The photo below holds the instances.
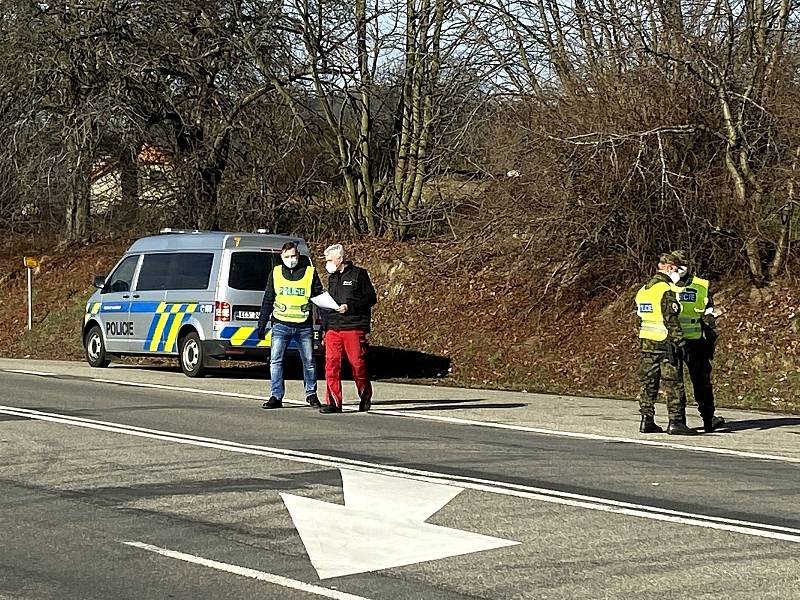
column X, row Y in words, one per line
column 214, row 240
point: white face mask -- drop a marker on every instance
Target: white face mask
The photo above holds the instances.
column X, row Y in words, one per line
column 290, row 262
column 330, row 267
column 674, row 277
column 682, row 271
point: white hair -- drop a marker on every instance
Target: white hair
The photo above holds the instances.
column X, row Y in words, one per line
column 335, row 250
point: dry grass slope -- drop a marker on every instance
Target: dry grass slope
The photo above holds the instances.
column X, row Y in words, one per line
column 488, row 318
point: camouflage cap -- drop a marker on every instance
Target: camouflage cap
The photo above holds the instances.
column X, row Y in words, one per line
column 682, row 257
column 676, row 257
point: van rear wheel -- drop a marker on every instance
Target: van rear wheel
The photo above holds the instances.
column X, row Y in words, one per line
column 95, row 348
column 191, row 355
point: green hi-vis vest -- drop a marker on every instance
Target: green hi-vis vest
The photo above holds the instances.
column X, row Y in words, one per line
column 648, row 307
column 693, row 300
column 292, row 298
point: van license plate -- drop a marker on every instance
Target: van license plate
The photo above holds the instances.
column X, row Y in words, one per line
column 247, row 315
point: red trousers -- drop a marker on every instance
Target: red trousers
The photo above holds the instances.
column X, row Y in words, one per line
column 351, row 343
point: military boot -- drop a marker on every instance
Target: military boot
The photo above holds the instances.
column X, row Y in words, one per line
column 678, row 427
column 648, row 425
column 710, row 423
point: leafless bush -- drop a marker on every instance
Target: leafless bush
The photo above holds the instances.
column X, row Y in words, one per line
column 592, row 135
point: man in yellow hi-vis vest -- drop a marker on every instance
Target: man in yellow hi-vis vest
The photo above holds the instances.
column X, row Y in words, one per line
column 661, row 341
column 699, row 330
column 287, row 303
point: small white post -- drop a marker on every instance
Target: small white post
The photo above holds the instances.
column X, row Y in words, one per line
column 31, row 263
column 30, row 300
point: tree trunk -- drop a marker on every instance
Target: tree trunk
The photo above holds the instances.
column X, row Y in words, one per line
column 786, row 217
column 209, row 177
column 77, row 213
column 129, row 184
column 367, row 188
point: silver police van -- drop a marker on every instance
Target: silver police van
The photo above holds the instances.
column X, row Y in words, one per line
column 191, row 294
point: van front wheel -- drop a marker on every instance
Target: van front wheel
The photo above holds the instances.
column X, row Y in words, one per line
column 95, row 348
column 191, row 355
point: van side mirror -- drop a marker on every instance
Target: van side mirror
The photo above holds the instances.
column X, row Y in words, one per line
column 99, row 282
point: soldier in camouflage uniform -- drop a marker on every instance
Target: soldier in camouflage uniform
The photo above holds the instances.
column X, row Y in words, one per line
column 699, row 328
column 661, row 340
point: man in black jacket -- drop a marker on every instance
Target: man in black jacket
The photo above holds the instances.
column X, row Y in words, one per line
column 287, row 303
column 699, row 324
column 346, row 329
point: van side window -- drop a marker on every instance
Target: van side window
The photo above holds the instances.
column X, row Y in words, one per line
column 175, row 271
column 191, row 270
column 120, row 280
column 249, row 270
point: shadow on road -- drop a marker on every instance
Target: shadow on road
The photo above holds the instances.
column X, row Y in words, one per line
column 761, row 424
column 392, row 363
column 120, row 495
column 383, row 362
column 448, row 406
column 13, row 418
column 429, row 401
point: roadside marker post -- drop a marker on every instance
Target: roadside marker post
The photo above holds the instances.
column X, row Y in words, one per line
column 31, row 262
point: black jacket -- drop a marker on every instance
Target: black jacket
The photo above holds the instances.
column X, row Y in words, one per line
column 354, row 288
column 295, row 274
column 708, row 322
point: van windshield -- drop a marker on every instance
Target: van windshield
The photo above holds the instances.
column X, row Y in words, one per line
column 249, row 270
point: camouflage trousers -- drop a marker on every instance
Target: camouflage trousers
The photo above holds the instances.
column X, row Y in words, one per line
column 698, row 364
column 655, row 369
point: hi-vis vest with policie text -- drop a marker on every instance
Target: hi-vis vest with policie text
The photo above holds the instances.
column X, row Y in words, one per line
column 292, row 298
column 648, row 307
column 693, row 300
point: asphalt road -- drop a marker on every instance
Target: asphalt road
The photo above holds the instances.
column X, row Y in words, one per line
column 110, row 490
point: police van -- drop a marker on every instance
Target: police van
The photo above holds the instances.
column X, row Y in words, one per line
column 194, row 295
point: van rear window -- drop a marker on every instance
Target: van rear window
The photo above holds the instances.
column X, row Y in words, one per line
column 250, row 270
column 175, row 271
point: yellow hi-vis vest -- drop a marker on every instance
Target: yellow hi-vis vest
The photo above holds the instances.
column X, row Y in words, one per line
column 693, row 299
column 648, row 307
column 292, row 298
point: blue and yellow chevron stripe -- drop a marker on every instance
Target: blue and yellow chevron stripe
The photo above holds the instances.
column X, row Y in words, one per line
column 92, row 308
column 168, row 317
column 246, row 337
column 167, row 320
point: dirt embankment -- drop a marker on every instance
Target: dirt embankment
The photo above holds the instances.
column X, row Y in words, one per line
column 482, row 323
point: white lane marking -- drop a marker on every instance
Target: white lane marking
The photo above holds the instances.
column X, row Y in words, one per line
column 373, row 531
column 586, row 436
column 191, row 390
column 203, row 392
column 484, row 485
column 469, row 422
column 246, row 572
column 24, row 372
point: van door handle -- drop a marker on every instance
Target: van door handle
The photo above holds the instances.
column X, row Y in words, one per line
column 136, row 295
column 126, row 296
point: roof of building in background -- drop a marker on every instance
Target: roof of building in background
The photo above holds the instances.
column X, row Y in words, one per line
column 152, row 155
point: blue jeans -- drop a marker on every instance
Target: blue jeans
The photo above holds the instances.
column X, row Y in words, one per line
column 281, row 336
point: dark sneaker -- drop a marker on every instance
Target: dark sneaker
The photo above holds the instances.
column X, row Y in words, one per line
column 313, row 400
column 273, row 402
column 330, row 408
column 364, row 405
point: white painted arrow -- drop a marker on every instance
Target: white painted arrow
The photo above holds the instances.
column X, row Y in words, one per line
column 381, row 525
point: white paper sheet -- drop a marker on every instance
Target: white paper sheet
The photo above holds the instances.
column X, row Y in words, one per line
column 325, row 300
